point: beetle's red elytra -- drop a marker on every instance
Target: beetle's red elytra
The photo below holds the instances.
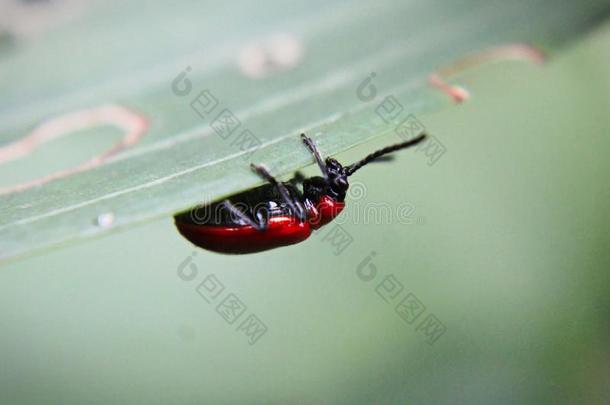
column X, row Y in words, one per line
column 277, row 213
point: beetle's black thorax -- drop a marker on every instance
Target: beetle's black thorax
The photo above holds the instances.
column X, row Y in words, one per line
column 316, row 187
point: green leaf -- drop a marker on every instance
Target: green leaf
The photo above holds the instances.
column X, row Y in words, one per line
column 126, row 55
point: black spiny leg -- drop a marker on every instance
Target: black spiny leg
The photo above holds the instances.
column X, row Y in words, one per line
column 298, row 179
column 259, row 226
column 297, row 208
column 311, row 145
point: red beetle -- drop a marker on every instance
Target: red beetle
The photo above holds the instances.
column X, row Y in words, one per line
column 275, row 214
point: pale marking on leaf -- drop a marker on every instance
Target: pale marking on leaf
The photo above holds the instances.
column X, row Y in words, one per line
column 133, row 125
column 330, row 83
column 214, row 59
column 523, row 52
column 272, row 55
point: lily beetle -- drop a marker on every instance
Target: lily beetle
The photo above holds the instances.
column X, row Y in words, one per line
column 276, row 213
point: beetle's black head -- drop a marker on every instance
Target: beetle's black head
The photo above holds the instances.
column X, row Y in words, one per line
column 336, row 176
column 334, row 184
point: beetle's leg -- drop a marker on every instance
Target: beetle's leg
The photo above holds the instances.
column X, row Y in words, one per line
column 297, row 179
column 296, row 206
column 259, row 226
column 311, row 145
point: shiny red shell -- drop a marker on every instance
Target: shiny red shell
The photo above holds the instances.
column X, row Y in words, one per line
column 325, row 211
column 281, row 230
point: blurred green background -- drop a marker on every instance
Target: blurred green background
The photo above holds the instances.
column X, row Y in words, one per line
column 508, row 248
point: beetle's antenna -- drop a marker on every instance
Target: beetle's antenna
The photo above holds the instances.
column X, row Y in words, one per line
column 388, row 149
